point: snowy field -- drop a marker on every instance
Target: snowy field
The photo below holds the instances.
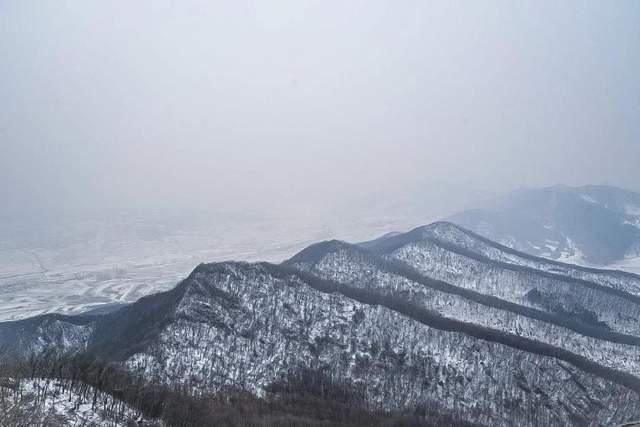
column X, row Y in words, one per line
column 79, row 266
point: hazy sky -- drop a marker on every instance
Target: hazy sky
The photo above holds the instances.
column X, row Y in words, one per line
column 258, row 103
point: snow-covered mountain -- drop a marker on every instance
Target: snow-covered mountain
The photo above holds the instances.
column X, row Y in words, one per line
column 436, row 317
column 598, row 225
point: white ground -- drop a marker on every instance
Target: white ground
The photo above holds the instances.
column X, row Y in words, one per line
column 84, row 265
column 81, row 265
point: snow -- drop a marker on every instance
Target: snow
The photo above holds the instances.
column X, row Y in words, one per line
column 242, row 325
column 588, row 199
column 633, row 210
column 572, row 254
column 631, row 265
column 90, row 264
column 282, row 322
column 344, row 267
column 53, row 402
column 457, row 236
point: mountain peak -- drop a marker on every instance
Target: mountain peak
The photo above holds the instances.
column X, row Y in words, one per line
column 317, row 251
column 594, row 225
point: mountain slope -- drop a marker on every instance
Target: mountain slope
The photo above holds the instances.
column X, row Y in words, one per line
column 597, row 225
column 281, row 320
column 351, row 266
column 45, row 402
column 435, row 318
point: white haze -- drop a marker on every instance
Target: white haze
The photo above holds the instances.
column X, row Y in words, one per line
column 140, row 138
column 262, row 105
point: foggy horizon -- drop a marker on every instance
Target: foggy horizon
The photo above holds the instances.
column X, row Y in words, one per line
column 267, row 106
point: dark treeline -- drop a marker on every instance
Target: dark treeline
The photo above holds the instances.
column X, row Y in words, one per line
column 436, row 321
column 305, row 398
column 523, row 268
column 619, row 273
column 565, row 320
column 388, row 245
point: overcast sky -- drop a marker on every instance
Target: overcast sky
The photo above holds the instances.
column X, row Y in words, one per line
column 262, row 103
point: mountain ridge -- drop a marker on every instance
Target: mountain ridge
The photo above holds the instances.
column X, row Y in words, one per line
column 597, row 225
column 420, row 314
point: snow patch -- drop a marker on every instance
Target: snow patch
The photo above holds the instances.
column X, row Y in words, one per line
column 588, row 199
column 633, row 210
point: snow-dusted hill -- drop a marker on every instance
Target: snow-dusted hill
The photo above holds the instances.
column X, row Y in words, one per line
column 438, row 315
column 590, row 225
column 47, row 402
